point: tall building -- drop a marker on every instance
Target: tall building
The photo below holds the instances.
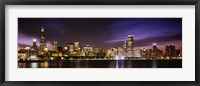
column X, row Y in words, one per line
column 70, row 47
column 114, row 51
column 170, row 50
column 77, row 46
column 180, row 52
column 87, row 49
column 155, row 47
column 42, row 40
column 96, row 50
column 108, row 53
column 121, row 52
column 130, row 43
column 148, row 53
column 55, row 45
column 34, row 46
column 124, row 45
column 155, row 52
column 60, row 50
column 99, row 52
column 137, row 53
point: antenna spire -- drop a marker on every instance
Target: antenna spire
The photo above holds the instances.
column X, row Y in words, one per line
column 42, row 30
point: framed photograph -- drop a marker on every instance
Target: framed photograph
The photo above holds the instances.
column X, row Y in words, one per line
column 101, row 42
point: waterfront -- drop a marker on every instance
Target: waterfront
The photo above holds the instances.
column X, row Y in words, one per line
column 102, row 64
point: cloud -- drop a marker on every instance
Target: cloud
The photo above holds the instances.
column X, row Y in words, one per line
column 25, row 40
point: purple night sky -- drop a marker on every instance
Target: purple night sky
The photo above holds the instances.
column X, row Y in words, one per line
column 102, row 32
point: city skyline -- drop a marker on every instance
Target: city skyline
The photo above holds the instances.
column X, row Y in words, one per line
column 102, row 32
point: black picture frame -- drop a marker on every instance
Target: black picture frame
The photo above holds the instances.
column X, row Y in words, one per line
column 98, row 2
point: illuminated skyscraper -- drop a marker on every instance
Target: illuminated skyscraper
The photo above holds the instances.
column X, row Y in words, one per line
column 87, row 49
column 137, row 53
column 99, row 52
column 121, row 51
column 55, row 46
column 96, row 50
column 130, row 43
column 77, row 46
column 155, row 47
column 114, row 51
column 124, row 45
column 155, row 52
column 108, row 53
column 42, row 40
column 34, row 46
column 170, row 50
column 70, row 47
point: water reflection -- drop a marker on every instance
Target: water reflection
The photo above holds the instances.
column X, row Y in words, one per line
column 60, row 64
column 119, row 63
column 44, row 64
column 34, row 65
column 103, row 64
column 154, row 65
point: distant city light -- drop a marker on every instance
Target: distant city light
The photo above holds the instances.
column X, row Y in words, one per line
column 27, row 48
column 34, row 40
column 65, row 48
column 33, row 57
column 42, row 30
column 46, row 49
column 116, row 57
column 130, row 35
column 122, row 57
column 119, row 57
column 34, row 65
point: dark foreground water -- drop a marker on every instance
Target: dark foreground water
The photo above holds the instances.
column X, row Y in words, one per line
column 103, row 64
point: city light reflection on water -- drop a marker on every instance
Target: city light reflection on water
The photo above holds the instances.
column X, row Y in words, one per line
column 154, row 65
column 103, row 64
column 44, row 64
column 119, row 64
column 34, row 65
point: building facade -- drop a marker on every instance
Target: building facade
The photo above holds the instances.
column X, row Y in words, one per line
column 42, row 40
column 130, row 43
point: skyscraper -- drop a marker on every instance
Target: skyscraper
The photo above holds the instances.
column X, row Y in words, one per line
column 55, row 46
column 124, row 45
column 170, row 50
column 87, row 49
column 70, row 47
column 155, row 47
column 155, row 51
column 77, row 46
column 42, row 40
column 34, row 46
column 130, row 43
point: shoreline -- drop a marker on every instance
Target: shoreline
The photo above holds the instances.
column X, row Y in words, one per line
column 21, row 61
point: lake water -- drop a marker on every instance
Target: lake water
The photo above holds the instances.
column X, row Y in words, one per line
column 103, row 64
